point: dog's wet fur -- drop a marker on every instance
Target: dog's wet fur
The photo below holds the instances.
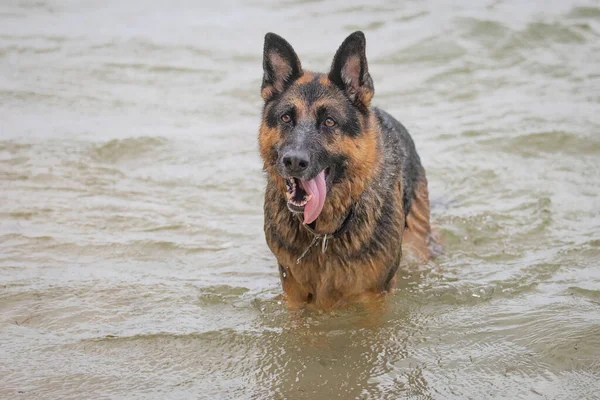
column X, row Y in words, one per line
column 377, row 203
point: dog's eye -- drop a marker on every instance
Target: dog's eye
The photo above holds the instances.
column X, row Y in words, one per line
column 286, row 118
column 329, row 123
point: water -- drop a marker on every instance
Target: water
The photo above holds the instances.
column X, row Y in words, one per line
column 133, row 263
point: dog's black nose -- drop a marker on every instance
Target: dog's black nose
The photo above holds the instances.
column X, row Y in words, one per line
column 295, row 161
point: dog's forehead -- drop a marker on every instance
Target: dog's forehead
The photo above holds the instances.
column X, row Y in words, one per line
column 312, row 91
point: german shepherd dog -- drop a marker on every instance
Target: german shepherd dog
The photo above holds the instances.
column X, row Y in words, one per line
column 346, row 193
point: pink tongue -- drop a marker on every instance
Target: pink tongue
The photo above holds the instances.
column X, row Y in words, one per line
column 318, row 190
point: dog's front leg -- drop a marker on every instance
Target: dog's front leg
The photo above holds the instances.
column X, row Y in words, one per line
column 295, row 296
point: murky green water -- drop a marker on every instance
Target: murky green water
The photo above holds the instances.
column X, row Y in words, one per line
column 132, row 258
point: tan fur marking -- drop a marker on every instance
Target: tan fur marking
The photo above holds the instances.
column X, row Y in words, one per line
column 295, row 295
column 323, row 80
column 301, row 109
column 305, row 78
column 362, row 153
column 267, row 93
column 416, row 237
column 267, row 139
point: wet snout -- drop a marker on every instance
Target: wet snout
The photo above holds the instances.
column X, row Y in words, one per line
column 295, row 162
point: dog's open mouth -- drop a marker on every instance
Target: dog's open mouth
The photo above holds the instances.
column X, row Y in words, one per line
column 308, row 196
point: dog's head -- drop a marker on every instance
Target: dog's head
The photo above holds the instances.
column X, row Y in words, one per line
column 317, row 137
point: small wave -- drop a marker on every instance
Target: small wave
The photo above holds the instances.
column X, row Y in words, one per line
column 127, row 149
column 159, row 68
column 539, row 33
column 592, row 13
column 549, row 142
column 430, row 50
column 586, row 293
column 149, row 245
column 210, row 334
column 10, row 146
column 175, row 227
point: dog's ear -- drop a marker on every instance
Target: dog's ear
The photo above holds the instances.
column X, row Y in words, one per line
column 281, row 66
column 350, row 72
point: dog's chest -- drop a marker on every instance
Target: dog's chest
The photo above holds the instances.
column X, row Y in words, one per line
column 329, row 270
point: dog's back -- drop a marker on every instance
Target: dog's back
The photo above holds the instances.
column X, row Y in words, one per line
column 401, row 154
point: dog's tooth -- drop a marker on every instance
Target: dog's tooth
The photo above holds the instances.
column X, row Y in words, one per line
column 297, row 203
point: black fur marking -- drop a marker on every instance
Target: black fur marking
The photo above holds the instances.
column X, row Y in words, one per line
column 382, row 232
column 410, row 162
column 322, row 115
column 387, row 282
column 272, row 155
column 272, row 119
column 351, row 126
column 340, row 163
column 276, row 238
column 276, row 111
column 312, row 91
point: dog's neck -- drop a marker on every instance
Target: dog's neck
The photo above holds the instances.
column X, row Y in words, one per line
column 324, row 238
column 344, row 227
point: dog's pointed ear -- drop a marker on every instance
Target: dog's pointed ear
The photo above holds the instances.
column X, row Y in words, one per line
column 350, row 71
column 281, row 66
